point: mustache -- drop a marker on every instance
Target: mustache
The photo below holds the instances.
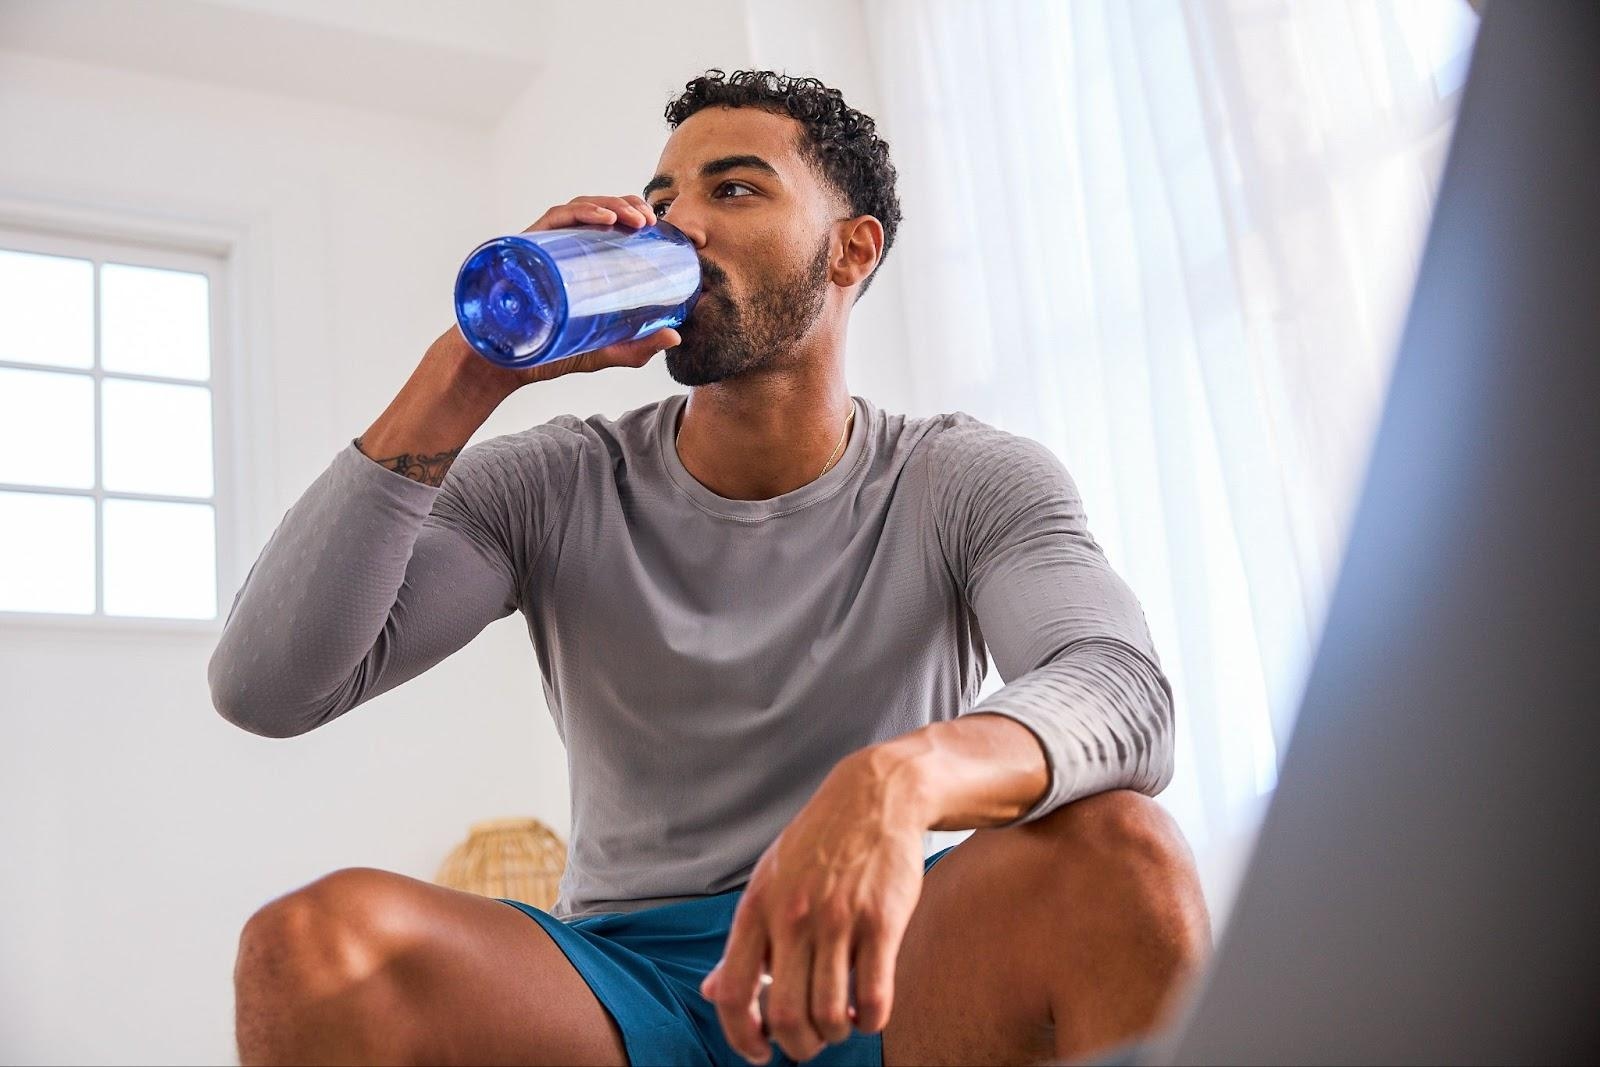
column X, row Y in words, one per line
column 711, row 274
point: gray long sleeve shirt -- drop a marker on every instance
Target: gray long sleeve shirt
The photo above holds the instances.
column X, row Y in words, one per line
column 708, row 661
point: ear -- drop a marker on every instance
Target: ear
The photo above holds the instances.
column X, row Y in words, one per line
column 860, row 246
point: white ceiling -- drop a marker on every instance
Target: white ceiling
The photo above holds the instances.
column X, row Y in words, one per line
column 460, row 62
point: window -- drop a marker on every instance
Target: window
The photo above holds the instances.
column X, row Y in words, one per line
column 108, row 431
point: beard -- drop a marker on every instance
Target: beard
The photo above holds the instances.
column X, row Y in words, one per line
column 725, row 338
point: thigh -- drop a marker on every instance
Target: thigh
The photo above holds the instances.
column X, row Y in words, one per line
column 962, row 994
column 475, row 980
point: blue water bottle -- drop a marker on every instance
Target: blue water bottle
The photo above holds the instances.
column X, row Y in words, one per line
column 532, row 298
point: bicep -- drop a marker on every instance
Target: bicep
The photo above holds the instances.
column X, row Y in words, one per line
column 1037, row 595
column 1017, row 538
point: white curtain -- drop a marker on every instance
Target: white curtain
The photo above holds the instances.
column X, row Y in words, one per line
column 1173, row 240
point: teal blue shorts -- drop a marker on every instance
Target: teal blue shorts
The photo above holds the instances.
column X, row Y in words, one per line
column 646, row 967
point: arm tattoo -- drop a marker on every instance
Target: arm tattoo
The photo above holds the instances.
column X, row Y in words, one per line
column 429, row 470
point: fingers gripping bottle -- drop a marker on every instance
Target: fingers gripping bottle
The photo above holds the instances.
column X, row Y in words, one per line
column 532, row 298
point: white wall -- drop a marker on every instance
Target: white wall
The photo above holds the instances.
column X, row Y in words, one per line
column 138, row 829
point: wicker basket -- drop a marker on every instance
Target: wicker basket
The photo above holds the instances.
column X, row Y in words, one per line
column 519, row 858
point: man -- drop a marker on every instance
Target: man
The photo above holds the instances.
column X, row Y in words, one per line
column 759, row 613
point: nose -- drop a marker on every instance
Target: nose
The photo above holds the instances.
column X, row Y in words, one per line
column 685, row 222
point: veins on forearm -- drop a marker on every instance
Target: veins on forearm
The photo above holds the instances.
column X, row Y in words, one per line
column 429, row 470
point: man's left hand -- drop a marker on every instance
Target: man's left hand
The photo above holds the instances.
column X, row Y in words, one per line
column 837, row 887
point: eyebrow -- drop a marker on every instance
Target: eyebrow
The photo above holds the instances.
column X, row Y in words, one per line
column 716, row 166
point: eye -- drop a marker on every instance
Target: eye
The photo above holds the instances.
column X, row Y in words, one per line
column 661, row 205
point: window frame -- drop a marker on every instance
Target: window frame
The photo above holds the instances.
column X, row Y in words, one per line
column 214, row 253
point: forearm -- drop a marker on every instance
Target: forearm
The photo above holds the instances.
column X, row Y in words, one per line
column 981, row 769
column 1097, row 718
column 452, row 392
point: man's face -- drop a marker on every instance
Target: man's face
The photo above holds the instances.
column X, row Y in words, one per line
column 766, row 239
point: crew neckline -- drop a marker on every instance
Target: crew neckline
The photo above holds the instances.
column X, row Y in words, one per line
column 840, row 474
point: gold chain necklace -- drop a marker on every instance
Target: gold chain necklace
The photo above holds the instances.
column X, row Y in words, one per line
column 849, row 420
column 837, row 449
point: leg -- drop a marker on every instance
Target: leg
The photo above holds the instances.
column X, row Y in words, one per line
column 367, row 966
column 1056, row 939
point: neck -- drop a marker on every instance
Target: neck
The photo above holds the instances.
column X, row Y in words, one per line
column 764, row 435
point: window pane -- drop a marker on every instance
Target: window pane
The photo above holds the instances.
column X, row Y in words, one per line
column 155, row 321
column 47, row 553
column 157, row 437
column 46, row 428
column 46, row 309
column 160, row 559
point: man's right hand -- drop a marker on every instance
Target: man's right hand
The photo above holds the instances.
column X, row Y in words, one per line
column 580, row 211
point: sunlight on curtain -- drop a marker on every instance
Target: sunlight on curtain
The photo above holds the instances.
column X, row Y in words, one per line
column 1173, row 241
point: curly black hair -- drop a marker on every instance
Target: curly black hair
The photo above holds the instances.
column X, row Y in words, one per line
column 838, row 141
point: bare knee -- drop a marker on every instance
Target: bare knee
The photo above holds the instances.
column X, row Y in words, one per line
column 1123, row 912
column 310, row 977
column 330, row 932
column 1122, row 850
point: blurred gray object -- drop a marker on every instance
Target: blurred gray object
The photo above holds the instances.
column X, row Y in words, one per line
column 1424, row 888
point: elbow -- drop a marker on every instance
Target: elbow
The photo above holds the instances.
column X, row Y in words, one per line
column 1162, row 756
column 260, row 725
column 230, row 696
column 252, row 718
column 1163, row 763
